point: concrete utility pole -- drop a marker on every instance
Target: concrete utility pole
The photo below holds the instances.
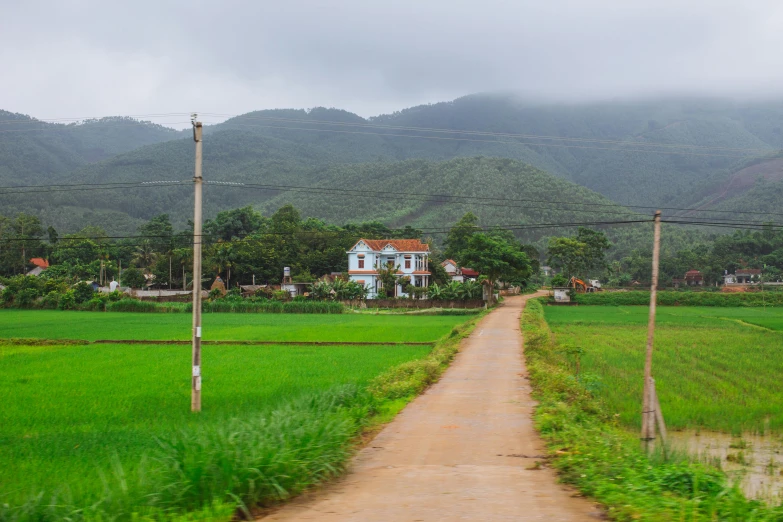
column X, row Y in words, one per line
column 198, row 182
column 649, row 396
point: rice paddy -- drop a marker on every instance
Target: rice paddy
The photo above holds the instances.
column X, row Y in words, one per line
column 77, row 420
column 715, row 368
column 54, row 324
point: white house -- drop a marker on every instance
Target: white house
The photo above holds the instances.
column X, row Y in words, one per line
column 410, row 256
column 452, row 268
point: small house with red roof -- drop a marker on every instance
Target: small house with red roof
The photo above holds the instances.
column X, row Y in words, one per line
column 694, row 278
column 40, row 264
column 409, row 256
column 458, row 273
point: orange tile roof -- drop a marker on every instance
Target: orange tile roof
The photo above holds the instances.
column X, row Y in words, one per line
column 402, row 245
column 39, row 261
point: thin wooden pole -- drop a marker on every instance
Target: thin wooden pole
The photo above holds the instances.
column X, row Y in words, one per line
column 648, row 427
column 195, row 397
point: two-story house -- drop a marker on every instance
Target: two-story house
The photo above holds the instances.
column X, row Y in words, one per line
column 409, row 256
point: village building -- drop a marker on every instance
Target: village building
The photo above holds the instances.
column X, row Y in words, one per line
column 694, row 278
column 409, row 256
column 745, row 276
column 40, row 263
column 458, row 273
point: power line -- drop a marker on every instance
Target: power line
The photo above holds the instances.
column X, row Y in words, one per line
column 446, row 138
column 128, row 124
column 92, row 118
column 422, row 197
column 211, row 239
column 482, row 133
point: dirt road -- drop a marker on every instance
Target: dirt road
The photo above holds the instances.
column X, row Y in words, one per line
column 464, row 450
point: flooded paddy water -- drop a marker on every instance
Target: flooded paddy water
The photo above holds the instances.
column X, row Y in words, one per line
column 755, row 461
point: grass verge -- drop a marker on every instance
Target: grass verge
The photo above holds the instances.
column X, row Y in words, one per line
column 604, row 461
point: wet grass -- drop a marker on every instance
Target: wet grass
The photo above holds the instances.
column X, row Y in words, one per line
column 715, row 368
column 52, row 324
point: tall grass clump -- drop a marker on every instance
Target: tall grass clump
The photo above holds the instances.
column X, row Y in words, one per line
column 592, row 452
column 239, row 463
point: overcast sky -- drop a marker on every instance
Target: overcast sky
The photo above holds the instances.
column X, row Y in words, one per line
column 74, row 58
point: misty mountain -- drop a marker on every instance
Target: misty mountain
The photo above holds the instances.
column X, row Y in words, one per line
column 638, row 152
column 634, row 152
column 36, row 152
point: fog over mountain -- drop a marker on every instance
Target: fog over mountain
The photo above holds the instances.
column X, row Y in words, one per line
column 90, row 58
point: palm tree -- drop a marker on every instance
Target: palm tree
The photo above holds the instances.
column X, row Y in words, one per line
column 145, row 255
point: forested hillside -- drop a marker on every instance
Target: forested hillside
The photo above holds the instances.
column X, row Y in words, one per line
column 645, row 152
column 664, row 152
column 36, row 152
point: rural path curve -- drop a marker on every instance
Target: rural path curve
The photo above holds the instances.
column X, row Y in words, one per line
column 461, row 451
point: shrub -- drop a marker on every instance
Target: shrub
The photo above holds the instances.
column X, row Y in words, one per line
column 67, row 301
column 133, row 278
column 51, row 300
column 82, row 292
column 26, row 298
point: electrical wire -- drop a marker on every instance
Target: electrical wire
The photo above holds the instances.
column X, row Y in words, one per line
column 479, row 133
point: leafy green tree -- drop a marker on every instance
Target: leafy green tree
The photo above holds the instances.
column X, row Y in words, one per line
column 133, row 278
column 387, row 274
column 145, row 255
column 495, row 258
column 579, row 255
column 596, row 245
column 234, row 224
column 459, row 235
column 568, row 255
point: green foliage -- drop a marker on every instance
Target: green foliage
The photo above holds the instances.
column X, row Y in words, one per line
column 579, row 256
column 496, row 258
column 455, row 291
column 605, row 462
column 559, row 280
column 82, row 292
column 457, row 239
column 133, row 278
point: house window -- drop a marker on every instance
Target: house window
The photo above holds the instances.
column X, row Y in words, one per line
column 407, row 263
column 361, row 263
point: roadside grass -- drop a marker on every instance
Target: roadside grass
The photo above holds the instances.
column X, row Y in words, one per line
column 594, row 452
column 51, row 324
column 105, row 432
column 713, row 368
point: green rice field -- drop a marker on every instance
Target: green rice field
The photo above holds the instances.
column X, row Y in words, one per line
column 54, row 324
column 715, row 368
column 109, row 425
